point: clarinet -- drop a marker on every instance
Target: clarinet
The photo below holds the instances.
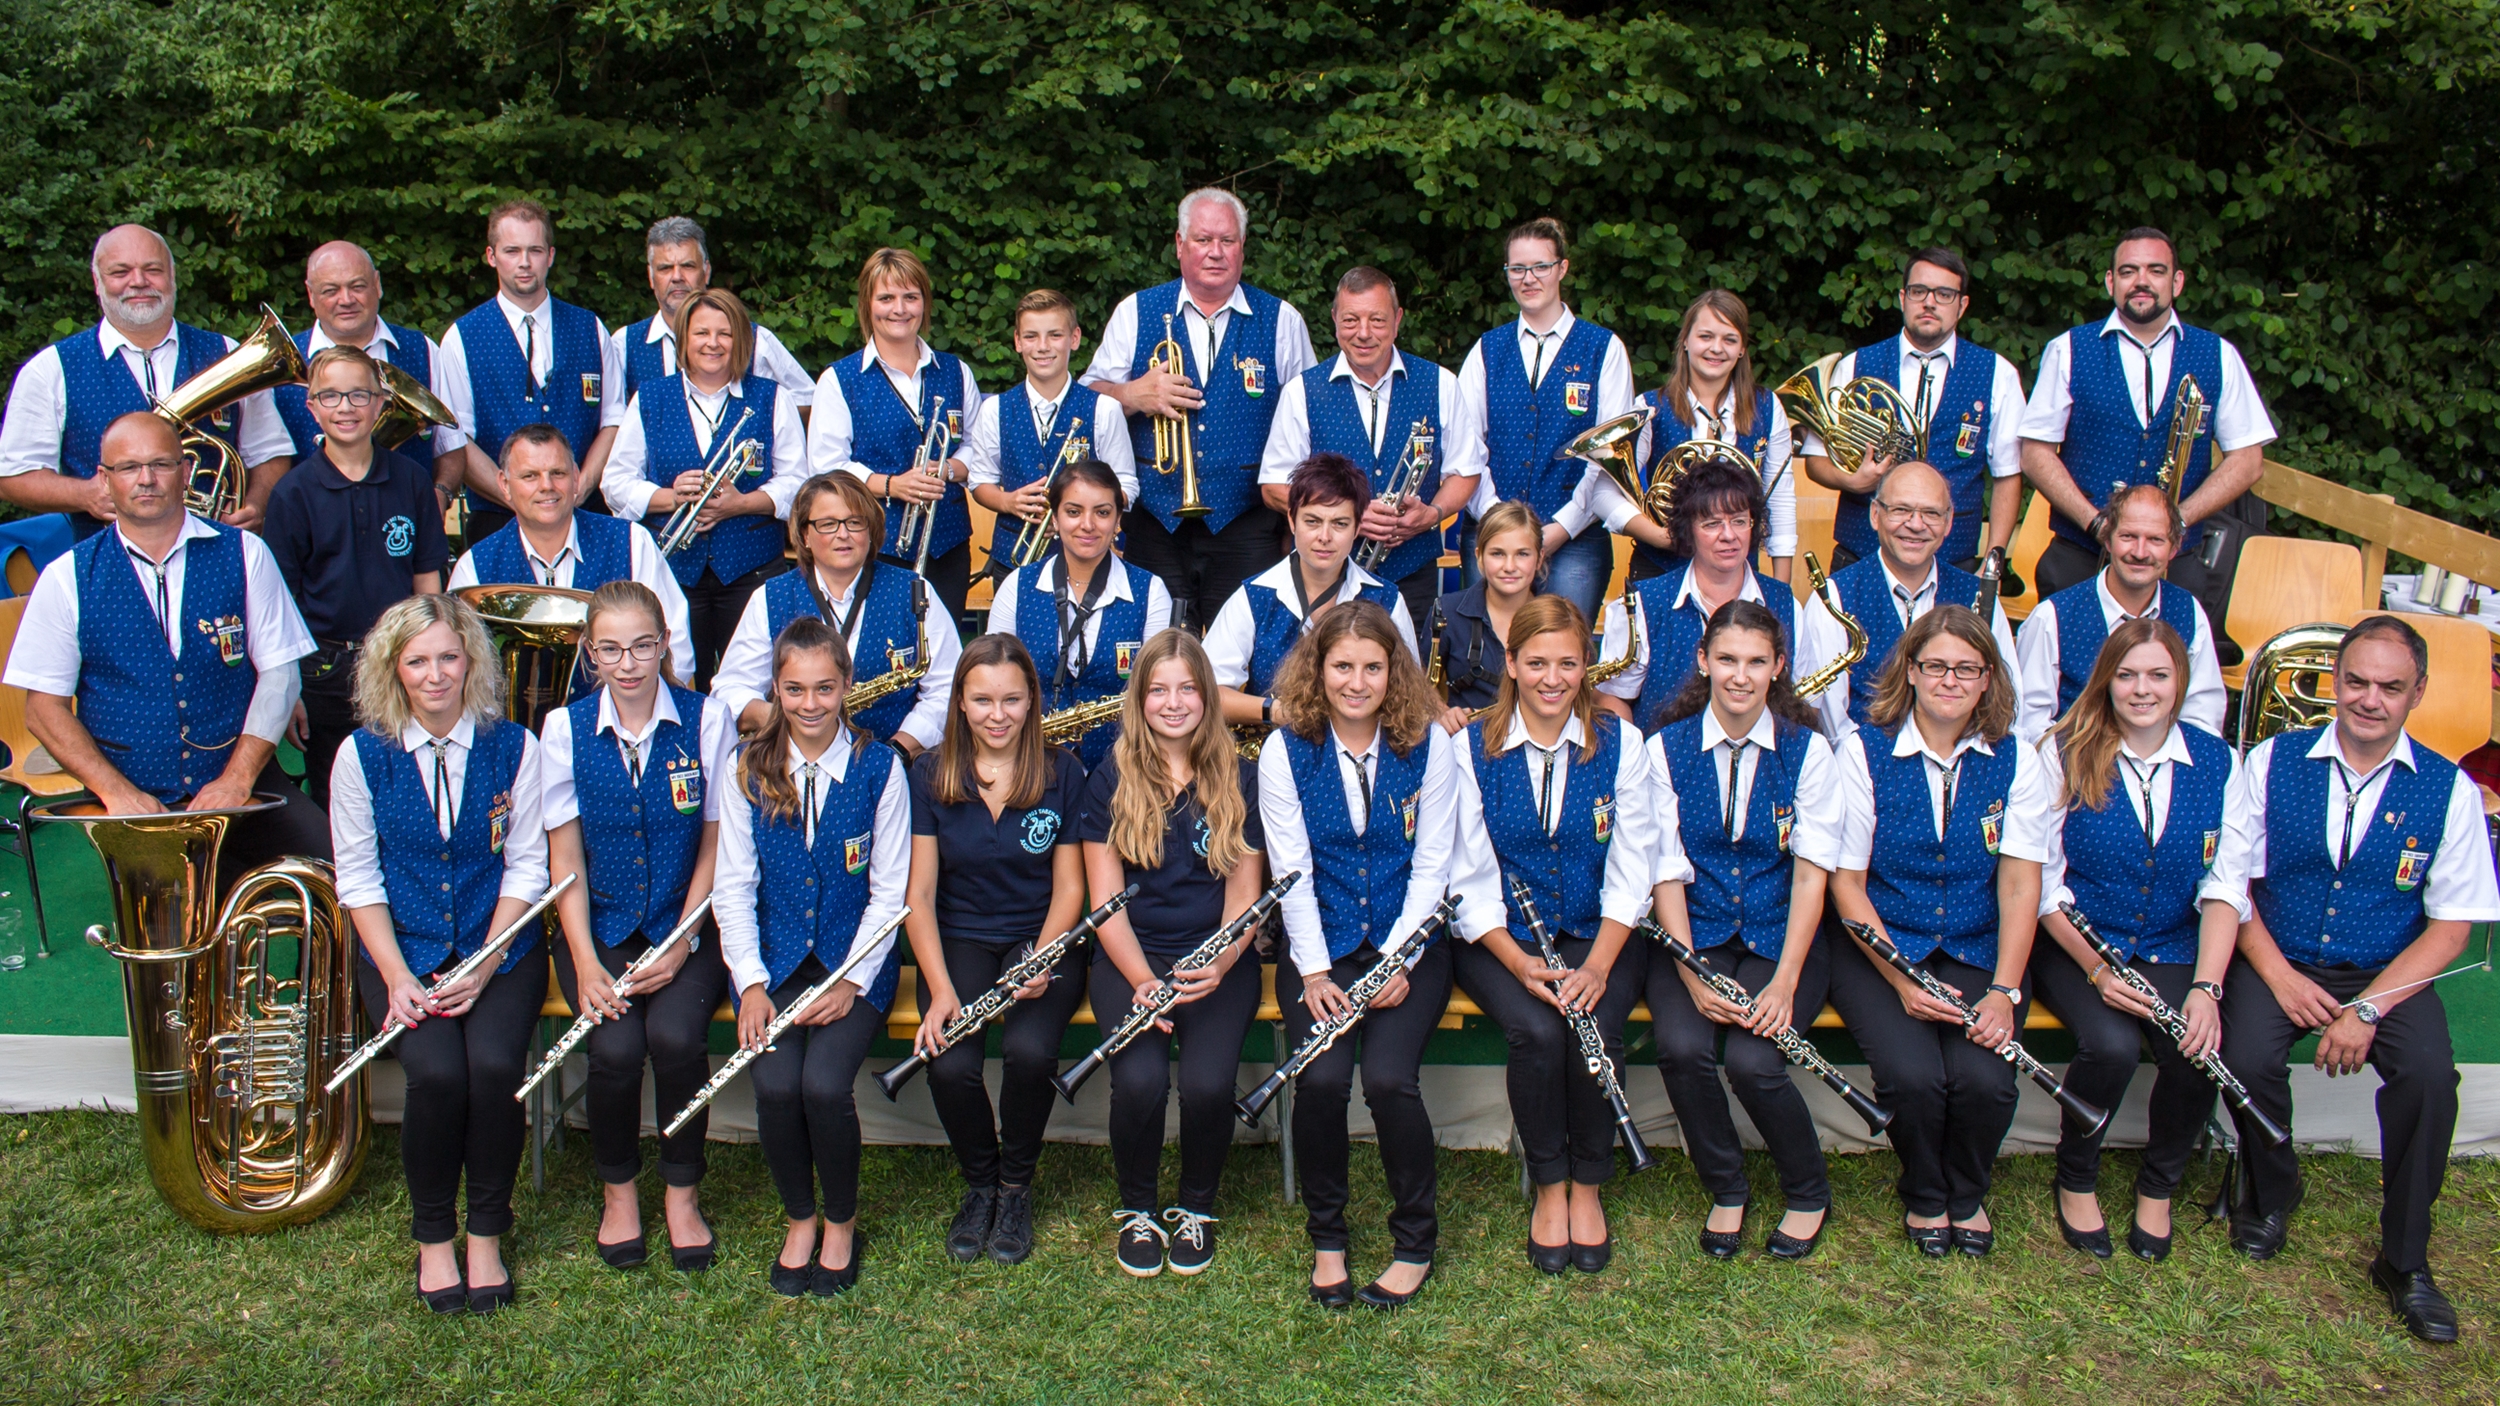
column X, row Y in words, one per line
column 2174, row 1025
column 993, row 1003
column 581, row 1026
column 781, row 1022
column 1142, row 1017
column 2092, row 1119
column 492, row 952
column 1799, row 1050
column 1359, row 997
column 1584, row 1025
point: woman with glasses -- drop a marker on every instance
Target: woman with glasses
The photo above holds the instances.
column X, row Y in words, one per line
column 1942, row 829
column 630, row 773
column 1717, row 528
column 885, row 615
column 1463, row 645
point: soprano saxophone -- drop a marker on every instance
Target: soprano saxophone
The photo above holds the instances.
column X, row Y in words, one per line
column 993, row 1003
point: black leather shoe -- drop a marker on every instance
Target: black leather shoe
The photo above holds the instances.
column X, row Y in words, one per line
column 1933, row 1241
column 826, row 1283
column 2262, row 1237
column 2152, row 1249
column 694, row 1259
column 1373, row 1296
column 1783, row 1246
column 1338, row 1295
column 451, row 1298
column 1974, row 1243
column 495, row 1296
column 790, row 1282
column 1723, row 1244
column 970, row 1234
column 625, row 1254
column 1550, row 1259
column 1591, row 1259
column 2426, row 1312
column 2092, row 1242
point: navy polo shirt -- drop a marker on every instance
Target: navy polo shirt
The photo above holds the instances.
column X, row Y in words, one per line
column 1180, row 903
column 994, row 876
column 351, row 550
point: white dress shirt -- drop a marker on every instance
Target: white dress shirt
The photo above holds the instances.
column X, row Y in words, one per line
column 1816, row 777
column 829, row 423
column 47, row 659
column 745, row 674
column 451, row 366
column 446, row 438
column 1118, row 347
column 1289, row 840
column 2030, row 806
column 2036, row 667
column 1003, row 605
column 2005, row 398
column 30, row 436
column 1107, row 437
column 2462, row 887
column 773, row 360
column 1234, row 636
column 1598, row 496
column 1458, row 448
column 1643, row 846
column 716, row 745
column 2136, row 776
column 1820, row 640
column 627, row 480
column 1615, row 394
column 889, row 866
column 645, row 566
column 2239, row 413
column 1614, row 625
column 354, row 838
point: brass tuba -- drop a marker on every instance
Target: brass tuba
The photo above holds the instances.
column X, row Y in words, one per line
column 539, row 631
column 409, row 409
column 2290, row 683
column 214, row 486
column 1861, row 418
column 235, row 1026
column 1176, row 440
column 1614, row 446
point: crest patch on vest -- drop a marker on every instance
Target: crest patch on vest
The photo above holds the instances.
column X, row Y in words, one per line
column 1603, row 818
column 1576, row 397
column 1409, row 811
column 498, row 821
column 1041, row 827
column 1966, row 439
column 955, row 423
column 1787, row 818
column 855, row 853
column 590, row 388
column 1253, row 375
column 2213, row 838
column 685, row 786
column 2409, row 869
column 1124, row 656
column 1991, row 830
column 227, row 632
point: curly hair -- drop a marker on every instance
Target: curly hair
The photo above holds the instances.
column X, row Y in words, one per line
column 1408, row 707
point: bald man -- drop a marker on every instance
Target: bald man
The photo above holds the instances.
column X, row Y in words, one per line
column 345, row 291
column 136, row 354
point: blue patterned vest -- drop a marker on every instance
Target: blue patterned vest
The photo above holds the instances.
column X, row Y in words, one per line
column 2367, row 912
column 1935, row 895
column 639, row 840
column 606, row 545
column 1024, row 457
column 1350, row 869
column 1669, row 430
column 99, row 391
column 886, row 435
column 2082, row 630
column 2142, row 895
column 1565, row 872
column 1524, row 425
column 881, row 625
column 1278, row 627
column 1866, row 593
column 1739, row 891
column 2105, row 446
column 408, row 353
column 737, row 545
column 1674, row 635
column 809, row 900
column 1231, row 429
column 645, row 361
column 1337, row 428
column 442, row 892
column 499, row 387
column 1122, row 631
column 1957, row 444
column 126, row 674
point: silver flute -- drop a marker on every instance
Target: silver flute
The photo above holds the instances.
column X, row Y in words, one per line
column 582, row 1024
column 1799, row 1050
column 491, row 953
column 1359, row 997
column 1592, row 1040
column 993, row 1003
column 782, row 1021
column 2174, row 1025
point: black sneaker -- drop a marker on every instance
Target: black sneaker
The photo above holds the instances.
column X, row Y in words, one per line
column 1193, row 1240
column 1011, row 1228
column 1141, row 1244
column 970, row 1233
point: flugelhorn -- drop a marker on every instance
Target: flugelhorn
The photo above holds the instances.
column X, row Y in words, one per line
column 911, row 538
column 1176, row 440
column 538, row 630
column 1861, row 418
column 730, row 457
column 489, row 953
column 1405, row 481
column 1851, row 652
column 213, row 486
column 1033, row 538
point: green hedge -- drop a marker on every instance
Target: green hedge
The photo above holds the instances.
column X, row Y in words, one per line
column 2329, row 168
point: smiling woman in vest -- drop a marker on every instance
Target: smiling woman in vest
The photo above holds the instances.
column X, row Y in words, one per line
column 671, row 432
column 1083, row 612
column 2133, row 870
column 434, row 809
column 1557, row 796
column 815, row 852
column 1942, row 829
column 1468, row 628
column 1358, row 791
column 630, row 774
column 1717, row 524
column 1736, row 763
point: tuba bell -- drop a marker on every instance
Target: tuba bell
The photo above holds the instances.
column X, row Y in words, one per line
column 409, row 409
column 214, row 486
column 2290, row 683
column 237, row 1018
column 1861, row 418
column 538, row 630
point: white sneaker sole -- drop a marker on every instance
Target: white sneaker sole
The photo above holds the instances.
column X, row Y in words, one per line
column 1191, row 1269
column 1134, row 1272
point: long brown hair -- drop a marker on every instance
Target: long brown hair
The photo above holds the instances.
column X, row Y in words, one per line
column 1542, row 615
column 636, row 598
column 2088, row 736
column 764, row 765
column 1992, row 719
column 955, row 782
column 1781, row 698
column 1407, row 708
column 1740, row 383
column 1142, row 804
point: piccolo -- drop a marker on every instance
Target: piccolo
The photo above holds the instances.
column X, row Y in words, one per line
column 781, row 1022
column 993, row 1003
column 1799, row 1050
column 2092, row 1119
column 582, row 1024
column 1143, row 1016
column 2174, row 1024
column 1592, row 1041
column 1359, row 997
column 492, row 952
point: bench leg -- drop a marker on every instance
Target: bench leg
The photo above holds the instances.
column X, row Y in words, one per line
column 1517, row 1149
column 34, row 882
column 1284, row 1118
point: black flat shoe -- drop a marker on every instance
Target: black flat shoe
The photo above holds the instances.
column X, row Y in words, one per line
column 1373, row 1296
column 1783, row 1246
column 1933, row 1241
column 790, row 1281
column 1591, row 1259
column 694, row 1259
column 826, row 1283
column 1550, row 1259
column 2152, row 1249
column 1724, row 1244
column 1974, row 1243
column 624, row 1254
column 493, row 1296
column 2426, row 1312
column 451, row 1298
column 2092, row 1242
column 1338, row 1295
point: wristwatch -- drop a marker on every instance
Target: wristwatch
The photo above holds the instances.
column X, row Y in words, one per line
column 2010, row 993
column 2366, row 1013
column 2210, row 988
column 1267, row 710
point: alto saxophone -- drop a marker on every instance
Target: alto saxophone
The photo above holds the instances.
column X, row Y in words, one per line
column 900, row 673
column 1849, row 656
column 1068, row 726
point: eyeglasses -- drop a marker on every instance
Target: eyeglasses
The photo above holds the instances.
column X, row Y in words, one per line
column 1516, row 272
column 1921, row 293
column 643, row 650
column 1937, row 668
column 837, row 526
column 1742, row 522
column 332, row 400
column 161, row 468
column 1904, row 512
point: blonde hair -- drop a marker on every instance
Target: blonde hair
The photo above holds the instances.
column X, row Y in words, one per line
column 741, row 329
column 1142, row 804
column 382, row 701
column 639, row 599
column 342, row 356
column 1542, row 615
column 892, row 266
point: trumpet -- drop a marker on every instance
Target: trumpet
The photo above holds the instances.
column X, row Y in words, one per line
column 1033, row 538
column 1175, row 440
column 213, row 487
column 783, row 1020
column 1850, row 653
column 2187, row 421
column 1068, row 726
column 583, row 1023
column 476, row 962
column 911, row 538
column 1405, row 481
column 730, row 457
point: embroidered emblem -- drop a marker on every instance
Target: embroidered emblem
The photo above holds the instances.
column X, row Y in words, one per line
column 1966, row 439
column 1077, row 447
column 685, row 787
column 498, row 820
column 1124, row 656
column 1603, row 819
column 1408, row 809
column 227, row 632
column 1200, row 844
column 1040, row 828
column 1253, row 375
column 2213, row 838
column 590, row 388
column 855, row 853
column 954, row 424
column 1991, row 830
column 2409, row 869
column 1787, row 818
column 399, row 536
column 1576, row 397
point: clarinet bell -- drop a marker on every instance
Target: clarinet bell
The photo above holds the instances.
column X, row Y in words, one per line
column 2089, row 1120
column 1067, row 1084
column 1642, row 1158
column 1876, row 1115
column 891, row 1082
column 1251, row 1105
column 2273, row 1132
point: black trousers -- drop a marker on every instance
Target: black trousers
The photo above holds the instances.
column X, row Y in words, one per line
column 297, row 827
column 2417, row 1099
column 460, row 1115
column 1689, row 1061
column 2107, row 1043
column 950, row 579
column 1200, row 568
column 1209, row 1033
column 1005, row 1151
column 1566, row 1129
column 1419, row 588
column 712, row 610
column 671, row 1029
column 806, row 1115
column 1952, row 1102
column 329, row 714
column 1392, row 1044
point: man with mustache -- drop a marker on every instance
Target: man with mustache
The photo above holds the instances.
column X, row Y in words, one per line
column 69, row 393
column 2063, row 635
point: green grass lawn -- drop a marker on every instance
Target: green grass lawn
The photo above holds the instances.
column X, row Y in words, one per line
column 105, row 1296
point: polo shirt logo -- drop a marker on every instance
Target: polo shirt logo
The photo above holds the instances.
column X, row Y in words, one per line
column 855, row 853
column 590, row 388
column 399, row 536
column 1576, row 397
column 1124, row 655
column 1602, row 820
column 1040, row 828
column 1200, row 844
column 2409, row 869
column 685, row 786
column 498, row 820
column 227, row 631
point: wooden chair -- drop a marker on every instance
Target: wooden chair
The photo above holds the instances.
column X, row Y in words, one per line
column 1817, row 508
column 2030, row 540
column 34, row 787
column 2455, row 716
column 2287, row 581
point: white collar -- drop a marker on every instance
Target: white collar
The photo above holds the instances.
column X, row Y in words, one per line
column 2173, row 748
column 572, row 541
column 1364, row 753
column 663, row 710
column 2111, row 610
column 1751, row 590
column 1279, row 578
column 1034, row 398
column 836, row 762
column 2330, row 744
column 111, row 340
column 415, row 738
column 1573, row 735
column 1238, row 302
column 1727, row 403
column 1340, row 369
column 1952, row 346
column 192, row 528
column 2119, row 325
column 655, row 328
column 868, row 359
column 320, row 338
column 1892, row 582
column 843, row 596
column 1561, row 328
column 513, row 312
column 1047, row 579
column 737, row 386
column 1910, row 742
column 1764, row 733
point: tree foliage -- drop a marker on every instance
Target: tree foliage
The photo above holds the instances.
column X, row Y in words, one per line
column 2328, row 168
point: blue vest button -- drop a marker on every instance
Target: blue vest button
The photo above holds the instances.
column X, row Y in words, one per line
column 1939, row 912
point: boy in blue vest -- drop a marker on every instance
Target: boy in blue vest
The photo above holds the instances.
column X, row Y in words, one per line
column 2099, row 420
column 525, row 358
column 345, row 291
column 2064, row 633
column 1021, row 438
column 678, row 260
column 1379, row 407
column 136, row 354
column 2356, row 860
column 1971, row 399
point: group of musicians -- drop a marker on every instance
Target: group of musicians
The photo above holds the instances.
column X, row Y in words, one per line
column 1452, row 793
